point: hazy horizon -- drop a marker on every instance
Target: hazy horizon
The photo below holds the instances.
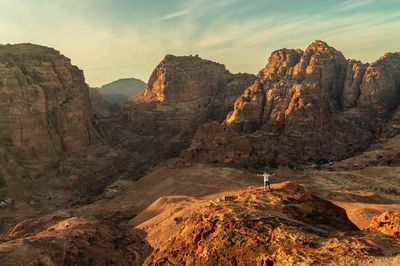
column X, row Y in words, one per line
column 111, row 40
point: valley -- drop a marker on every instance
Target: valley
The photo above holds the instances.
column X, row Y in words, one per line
column 171, row 177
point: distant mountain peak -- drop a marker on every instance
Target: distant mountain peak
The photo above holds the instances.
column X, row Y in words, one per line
column 120, row 90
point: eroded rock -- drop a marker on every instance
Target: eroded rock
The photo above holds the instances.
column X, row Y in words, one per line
column 182, row 94
column 304, row 107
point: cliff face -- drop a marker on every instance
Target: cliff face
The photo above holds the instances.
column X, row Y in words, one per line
column 44, row 105
column 182, row 94
column 304, row 106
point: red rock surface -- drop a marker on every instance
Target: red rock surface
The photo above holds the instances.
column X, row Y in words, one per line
column 304, row 107
column 387, row 223
column 63, row 240
column 183, row 93
column 285, row 226
column 384, row 152
column 282, row 227
column 44, row 105
column 52, row 148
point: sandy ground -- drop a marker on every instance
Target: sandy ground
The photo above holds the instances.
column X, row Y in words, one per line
column 362, row 193
column 167, row 193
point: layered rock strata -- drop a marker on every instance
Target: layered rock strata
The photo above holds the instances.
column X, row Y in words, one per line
column 44, row 105
column 305, row 106
column 183, row 93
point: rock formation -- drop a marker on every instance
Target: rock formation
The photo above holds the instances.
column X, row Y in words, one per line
column 305, row 106
column 59, row 239
column 245, row 227
column 282, row 227
column 51, row 150
column 387, row 223
column 182, row 94
column 44, row 105
column 60, row 150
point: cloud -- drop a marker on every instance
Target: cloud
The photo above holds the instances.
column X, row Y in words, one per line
column 175, row 14
column 355, row 4
column 238, row 33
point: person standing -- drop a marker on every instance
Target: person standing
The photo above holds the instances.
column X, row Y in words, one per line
column 267, row 182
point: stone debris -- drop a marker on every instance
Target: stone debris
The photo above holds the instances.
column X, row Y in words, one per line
column 230, row 197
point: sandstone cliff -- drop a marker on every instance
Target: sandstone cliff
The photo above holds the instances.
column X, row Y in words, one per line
column 44, row 105
column 305, row 106
column 182, row 94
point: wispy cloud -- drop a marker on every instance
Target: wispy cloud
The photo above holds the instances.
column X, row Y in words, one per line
column 239, row 33
column 175, row 14
column 354, row 4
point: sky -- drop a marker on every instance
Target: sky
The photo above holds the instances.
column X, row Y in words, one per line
column 112, row 39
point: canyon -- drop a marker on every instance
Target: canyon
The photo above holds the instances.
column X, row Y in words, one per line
column 171, row 177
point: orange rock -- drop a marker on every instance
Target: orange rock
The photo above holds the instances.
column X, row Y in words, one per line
column 387, row 223
column 304, row 107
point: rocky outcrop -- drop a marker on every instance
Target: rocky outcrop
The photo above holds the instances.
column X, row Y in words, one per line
column 304, row 107
column 44, row 105
column 380, row 89
column 285, row 226
column 282, row 227
column 61, row 239
column 182, row 94
column 385, row 151
column 387, row 223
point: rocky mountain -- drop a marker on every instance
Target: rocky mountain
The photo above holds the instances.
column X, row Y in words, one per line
column 182, row 94
column 84, row 184
column 53, row 149
column 119, row 91
column 305, row 106
column 44, row 105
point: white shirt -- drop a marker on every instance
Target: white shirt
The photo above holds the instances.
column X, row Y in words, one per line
column 266, row 177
